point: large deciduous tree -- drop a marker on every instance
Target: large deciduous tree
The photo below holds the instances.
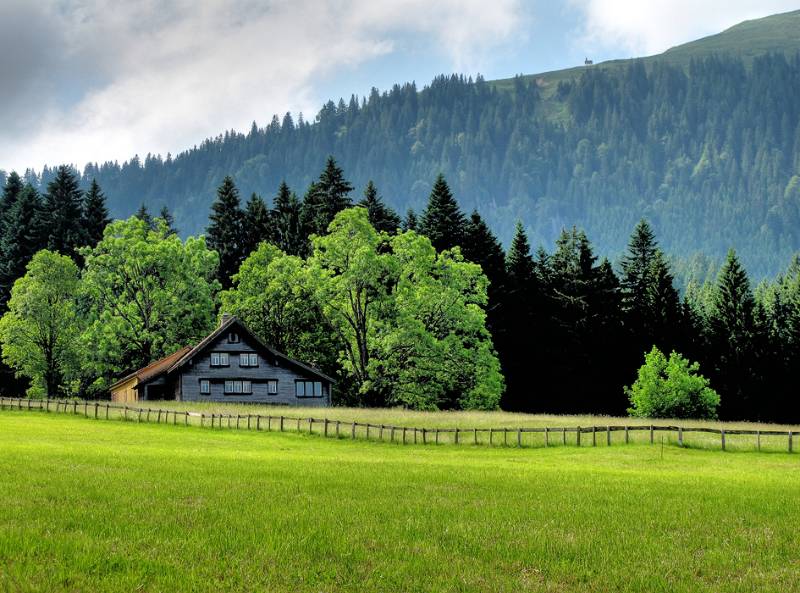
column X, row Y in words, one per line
column 148, row 293
column 39, row 332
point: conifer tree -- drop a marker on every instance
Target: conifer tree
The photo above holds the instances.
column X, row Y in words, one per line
column 63, row 214
column 381, row 216
column 443, row 222
column 636, row 267
column 410, row 221
column 482, row 247
column 326, row 198
column 734, row 335
column 169, row 220
column 11, row 191
column 257, row 224
column 95, row 213
column 225, row 233
column 21, row 240
column 286, row 227
column 144, row 215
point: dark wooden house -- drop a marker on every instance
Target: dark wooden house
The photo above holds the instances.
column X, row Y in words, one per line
column 232, row 365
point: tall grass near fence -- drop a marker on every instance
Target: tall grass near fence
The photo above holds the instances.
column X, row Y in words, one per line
column 724, row 437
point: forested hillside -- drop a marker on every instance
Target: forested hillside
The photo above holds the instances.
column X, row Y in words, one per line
column 706, row 148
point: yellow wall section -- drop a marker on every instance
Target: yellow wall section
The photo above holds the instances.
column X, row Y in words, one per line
column 126, row 392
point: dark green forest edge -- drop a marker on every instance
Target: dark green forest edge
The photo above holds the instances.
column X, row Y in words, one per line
column 703, row 141
column 427, row 312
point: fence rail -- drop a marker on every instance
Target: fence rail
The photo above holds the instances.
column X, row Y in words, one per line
column 504, row 436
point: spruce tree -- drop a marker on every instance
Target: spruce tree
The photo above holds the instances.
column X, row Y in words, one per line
column 443, row 222
column 734, row 335
column 287, row 231
column 21, row 240
column 517, row 350
column 331, row 195
column 381, row 216
column 483, row 248
column 11, row 190
column 62, row 214
column 225, row 233
column 169, row 220
column 410, row 221
column 636, row 268
column 144, row 215
column 95, row 213
column 257, row 224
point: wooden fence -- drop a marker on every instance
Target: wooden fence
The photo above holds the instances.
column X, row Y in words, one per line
column 513, row 437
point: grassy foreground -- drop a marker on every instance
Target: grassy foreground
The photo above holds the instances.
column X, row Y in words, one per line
column 110, row 506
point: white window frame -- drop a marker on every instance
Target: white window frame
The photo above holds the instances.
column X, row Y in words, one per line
column 222, row 359
column 309, row 388
column 272, row 387
column 253, row 359
column 205, row 387
column 247, row 387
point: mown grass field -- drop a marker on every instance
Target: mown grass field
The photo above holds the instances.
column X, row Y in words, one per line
column 90, row 505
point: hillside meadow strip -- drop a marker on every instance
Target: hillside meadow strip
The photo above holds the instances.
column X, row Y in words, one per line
column 116, row 506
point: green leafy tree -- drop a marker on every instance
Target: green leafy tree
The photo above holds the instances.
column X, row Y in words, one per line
column 671, row 388
column 225, row 233
column 62, row 214
column 147, row 294
column 443, row 222
column 39, row 332
column 381, row 216
column 95, row 213
column 273, row 295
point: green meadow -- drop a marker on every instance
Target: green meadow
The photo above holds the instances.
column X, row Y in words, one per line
column 90, row 505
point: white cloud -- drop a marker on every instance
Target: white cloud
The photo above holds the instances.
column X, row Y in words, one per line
column 154, row 76
column 644, row 27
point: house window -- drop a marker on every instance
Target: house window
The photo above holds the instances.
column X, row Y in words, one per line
column 272, row 387
column 238, row 387
column 219, row 359
column 248, row 360
column 308, row 389
column 233, row 338
column 205, row 386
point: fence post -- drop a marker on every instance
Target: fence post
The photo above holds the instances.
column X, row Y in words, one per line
column 608, row 436
column 475, row 436
column 187, row 419
column 594, row 436
column 722, row 435
column 380, row 433
column 202, row 420
column 790, row 441
column 326, row 427
column 404, row 434
column 519, row 437
column 424, row 436
column 74, row 407
column 391, row 433
column 337, row 428
column 564, row 436
column 353, row 433
column 578, row 436
column 626, row 434
column 456, row 441
column 125, row 413
column 758, row 440
column 248, row 421
column 269, row 422
column 85, row 407
column 96, row 408
column 680, row 436
column 310, row 425
column 416, row 430
column 546, row 437
column 367, row 430
column 651, row 434
column 505, row 437
column 107, row 407
column 281, row 423
column 437, row 436
column 258, row 422
column 491, row 436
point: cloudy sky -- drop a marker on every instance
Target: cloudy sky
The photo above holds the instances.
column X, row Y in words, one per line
column 96, row 80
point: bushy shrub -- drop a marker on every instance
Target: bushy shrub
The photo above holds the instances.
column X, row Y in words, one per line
column 671, row 388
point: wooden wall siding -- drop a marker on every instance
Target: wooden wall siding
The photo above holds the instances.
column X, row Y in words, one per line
column 126, row 392
column 201, row 368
